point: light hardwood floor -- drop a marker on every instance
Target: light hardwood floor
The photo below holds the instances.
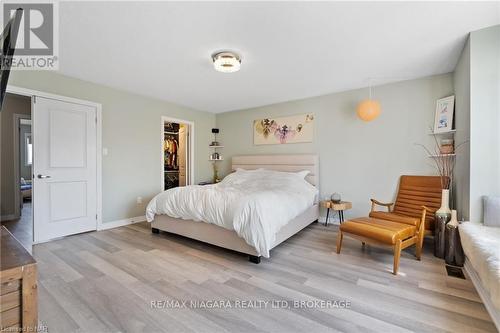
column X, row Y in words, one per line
column 22, row 228
column 105, row 282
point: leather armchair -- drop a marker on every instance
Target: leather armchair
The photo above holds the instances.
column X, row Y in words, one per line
column 401, row 224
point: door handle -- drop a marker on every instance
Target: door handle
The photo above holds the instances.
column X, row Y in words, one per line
column 43, row 176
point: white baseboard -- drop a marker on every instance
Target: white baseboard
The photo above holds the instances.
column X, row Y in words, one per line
column 121, row 223
column 483, row 294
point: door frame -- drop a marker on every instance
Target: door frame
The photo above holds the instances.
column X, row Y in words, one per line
column 164, row 119
column 36, row 93
column 17, row 146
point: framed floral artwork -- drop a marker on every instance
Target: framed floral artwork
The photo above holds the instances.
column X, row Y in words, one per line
column 282, row 130
column 443, row 121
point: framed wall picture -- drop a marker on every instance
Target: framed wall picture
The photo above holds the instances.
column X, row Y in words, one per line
column 443, row 121
column 292, row 129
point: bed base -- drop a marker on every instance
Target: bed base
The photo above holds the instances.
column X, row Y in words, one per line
column 229, row 239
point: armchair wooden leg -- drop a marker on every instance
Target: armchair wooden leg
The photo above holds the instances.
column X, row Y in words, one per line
column 420, row 243
column 397, row 254
column 418, row 252
column 339, row 241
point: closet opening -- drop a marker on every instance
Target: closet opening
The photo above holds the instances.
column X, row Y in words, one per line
column 176, row 153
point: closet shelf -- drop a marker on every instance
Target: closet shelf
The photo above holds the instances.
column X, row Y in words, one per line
column 215, row 159
column 171, row 133
column 215, row 146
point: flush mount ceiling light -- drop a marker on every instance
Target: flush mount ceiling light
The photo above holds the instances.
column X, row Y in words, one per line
column 226, row 62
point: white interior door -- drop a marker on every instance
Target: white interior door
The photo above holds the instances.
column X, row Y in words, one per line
column 64, row 169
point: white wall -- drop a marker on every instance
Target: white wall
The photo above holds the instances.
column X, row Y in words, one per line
column 131, row 132
column 461, row 82
column 484, row 117
column 357, row 159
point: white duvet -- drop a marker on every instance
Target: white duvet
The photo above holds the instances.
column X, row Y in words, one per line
column 254, row 203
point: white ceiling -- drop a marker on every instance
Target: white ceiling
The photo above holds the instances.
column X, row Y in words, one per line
column 290, row 50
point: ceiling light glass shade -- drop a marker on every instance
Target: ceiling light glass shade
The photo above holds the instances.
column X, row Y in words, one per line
column 226, row 62
column 368, row 110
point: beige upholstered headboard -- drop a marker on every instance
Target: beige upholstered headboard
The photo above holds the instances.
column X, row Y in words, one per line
column 288, row 163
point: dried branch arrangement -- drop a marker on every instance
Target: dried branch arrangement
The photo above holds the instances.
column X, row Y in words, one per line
column 444, row 163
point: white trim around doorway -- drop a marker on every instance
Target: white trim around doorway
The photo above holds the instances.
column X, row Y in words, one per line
column 33, row 94
column 191, row 148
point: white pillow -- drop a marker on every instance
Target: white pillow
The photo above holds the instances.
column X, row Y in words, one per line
column 302, row 174
column 491, row 208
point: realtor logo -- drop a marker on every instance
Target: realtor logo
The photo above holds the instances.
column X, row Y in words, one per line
column 37, row 40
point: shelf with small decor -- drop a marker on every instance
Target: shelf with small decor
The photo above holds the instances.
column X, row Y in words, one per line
column 445, row 143
column 215, row 156
column 443, row 131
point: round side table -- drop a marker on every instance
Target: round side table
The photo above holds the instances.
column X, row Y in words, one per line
column 336, row 206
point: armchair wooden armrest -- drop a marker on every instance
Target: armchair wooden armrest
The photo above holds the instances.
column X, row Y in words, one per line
column 376, row 202
column 427, row 209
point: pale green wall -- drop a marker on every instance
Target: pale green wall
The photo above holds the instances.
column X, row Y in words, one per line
column 131, row 132
column 461, row 83
column 484, row 117
column 357, row 159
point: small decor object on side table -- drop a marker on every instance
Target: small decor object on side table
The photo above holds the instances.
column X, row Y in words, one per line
column 336, row 198
column 336, row 206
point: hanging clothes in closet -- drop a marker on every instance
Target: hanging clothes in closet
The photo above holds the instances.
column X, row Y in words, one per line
column 170, row 147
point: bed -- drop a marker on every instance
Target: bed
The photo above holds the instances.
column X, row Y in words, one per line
column 245, row 167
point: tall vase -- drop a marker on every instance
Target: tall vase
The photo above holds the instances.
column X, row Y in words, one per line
column 443, row 216
column 454, row 253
